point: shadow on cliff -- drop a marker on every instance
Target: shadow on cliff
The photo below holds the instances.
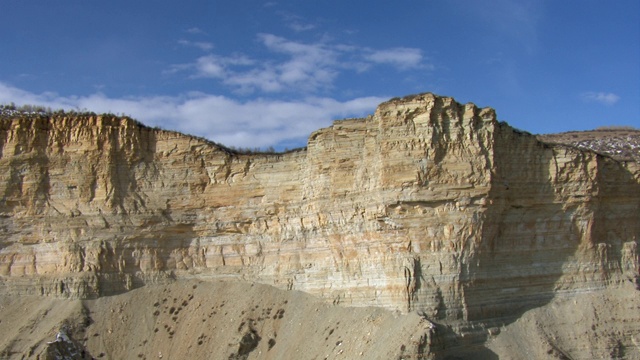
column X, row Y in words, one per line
column 447, row 345
column 136, row 151
column 548, row 218
column 558, row 220
column 131, row 263
column 153, row 249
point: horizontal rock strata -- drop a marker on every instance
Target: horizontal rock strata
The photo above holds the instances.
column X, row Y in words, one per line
column 427, row 205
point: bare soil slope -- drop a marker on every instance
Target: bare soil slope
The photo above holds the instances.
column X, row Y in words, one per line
column 210, row 320
column 237, row 320
column 598, row 325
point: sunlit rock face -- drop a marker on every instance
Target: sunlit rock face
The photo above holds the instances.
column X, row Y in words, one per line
column 426, row 205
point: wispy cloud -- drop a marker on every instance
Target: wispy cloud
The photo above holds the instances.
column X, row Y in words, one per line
column 195, row 30
column 401, row 57
column 202, row 45
column 296, row 22
column 253, row 123
column 214, row 66
column 300, row 26
column 600, row 97
column 306, row 67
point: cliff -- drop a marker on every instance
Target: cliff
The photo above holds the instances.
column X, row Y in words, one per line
column 427, row 205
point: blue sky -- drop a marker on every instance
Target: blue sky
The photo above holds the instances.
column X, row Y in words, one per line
column 268, row 73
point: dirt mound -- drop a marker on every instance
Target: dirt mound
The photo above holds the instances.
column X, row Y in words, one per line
column 233, row 320
column 210, row 320
column 598, row 325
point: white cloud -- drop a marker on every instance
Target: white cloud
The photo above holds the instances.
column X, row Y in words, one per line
column 403, row 58
column 202, row 45
column 299, row 26
column 211, row 66
column 295, row 22
column 307, row 67
column 195, row 30
column 252, row 123
column 601, row 97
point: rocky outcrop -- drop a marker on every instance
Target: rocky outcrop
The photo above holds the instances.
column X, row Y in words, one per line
column 427, row 205
column 65, row 348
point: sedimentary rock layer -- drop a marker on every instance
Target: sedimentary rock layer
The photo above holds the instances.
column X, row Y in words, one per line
column 426, row 205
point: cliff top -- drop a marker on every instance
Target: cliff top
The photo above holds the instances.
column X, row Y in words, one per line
column 621, row 143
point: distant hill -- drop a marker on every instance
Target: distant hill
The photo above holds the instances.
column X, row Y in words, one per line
column 622, row 143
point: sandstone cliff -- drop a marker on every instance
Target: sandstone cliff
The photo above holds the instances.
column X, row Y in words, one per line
column 427, row 205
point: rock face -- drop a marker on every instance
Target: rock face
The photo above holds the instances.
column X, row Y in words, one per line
column 427, row 205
